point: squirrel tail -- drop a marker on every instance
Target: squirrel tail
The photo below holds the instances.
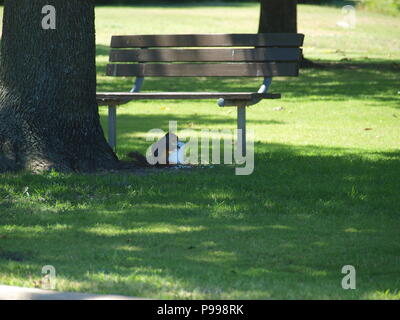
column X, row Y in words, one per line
column 138, row 159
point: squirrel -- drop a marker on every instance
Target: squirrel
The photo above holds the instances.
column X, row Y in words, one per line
column 138, row 159
column 161, row 151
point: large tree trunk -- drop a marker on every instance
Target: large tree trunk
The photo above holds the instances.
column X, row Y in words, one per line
column 48, row 110
column 278, row 16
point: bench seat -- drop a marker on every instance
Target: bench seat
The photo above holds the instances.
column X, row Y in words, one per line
column 116, row 98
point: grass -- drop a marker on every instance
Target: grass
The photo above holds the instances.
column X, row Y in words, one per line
column 391, row 7
column 323, row 195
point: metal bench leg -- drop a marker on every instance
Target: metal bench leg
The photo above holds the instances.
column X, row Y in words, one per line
column 241, row 125
column 112, row 127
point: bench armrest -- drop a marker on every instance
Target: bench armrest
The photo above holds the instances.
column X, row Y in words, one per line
column 263, row 89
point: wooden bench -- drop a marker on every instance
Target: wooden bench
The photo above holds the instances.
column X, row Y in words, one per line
column 201, row 55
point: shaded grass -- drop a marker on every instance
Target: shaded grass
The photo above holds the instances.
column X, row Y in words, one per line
column 324, row 192
column 284, row 232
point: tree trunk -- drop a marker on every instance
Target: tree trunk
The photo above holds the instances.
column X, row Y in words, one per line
column 48, row 110
column 278, row 16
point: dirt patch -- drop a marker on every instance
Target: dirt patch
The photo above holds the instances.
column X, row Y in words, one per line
column 129, row 168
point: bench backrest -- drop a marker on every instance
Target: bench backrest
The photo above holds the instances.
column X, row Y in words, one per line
column 206, row 55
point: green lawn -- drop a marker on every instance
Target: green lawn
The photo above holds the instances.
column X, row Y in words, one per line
column 324, row 192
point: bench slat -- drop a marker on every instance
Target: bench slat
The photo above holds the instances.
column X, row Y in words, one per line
column 105, row 98
column 271, row 69
column 209, row 40
column 206, row 55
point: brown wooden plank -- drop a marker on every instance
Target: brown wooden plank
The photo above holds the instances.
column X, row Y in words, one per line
column 209, row 40
column 206, row 55
column 271, row 69
column 181, row 95
column 105, row 98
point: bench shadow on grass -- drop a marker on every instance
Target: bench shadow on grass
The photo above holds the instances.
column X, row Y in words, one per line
column 284, row 232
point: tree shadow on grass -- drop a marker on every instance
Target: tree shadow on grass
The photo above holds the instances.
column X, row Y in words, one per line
column 102, row 50
column 283, row 232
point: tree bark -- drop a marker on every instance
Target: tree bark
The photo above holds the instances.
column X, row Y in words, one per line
column 48, row 110
column 278, row 16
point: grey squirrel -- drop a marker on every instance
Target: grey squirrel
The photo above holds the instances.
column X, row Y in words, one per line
column 161, row 152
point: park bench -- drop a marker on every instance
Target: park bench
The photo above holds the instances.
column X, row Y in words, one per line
column 201, row 55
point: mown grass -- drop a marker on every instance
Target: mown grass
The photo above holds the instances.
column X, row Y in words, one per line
column 391, row 7
column 323, row 194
